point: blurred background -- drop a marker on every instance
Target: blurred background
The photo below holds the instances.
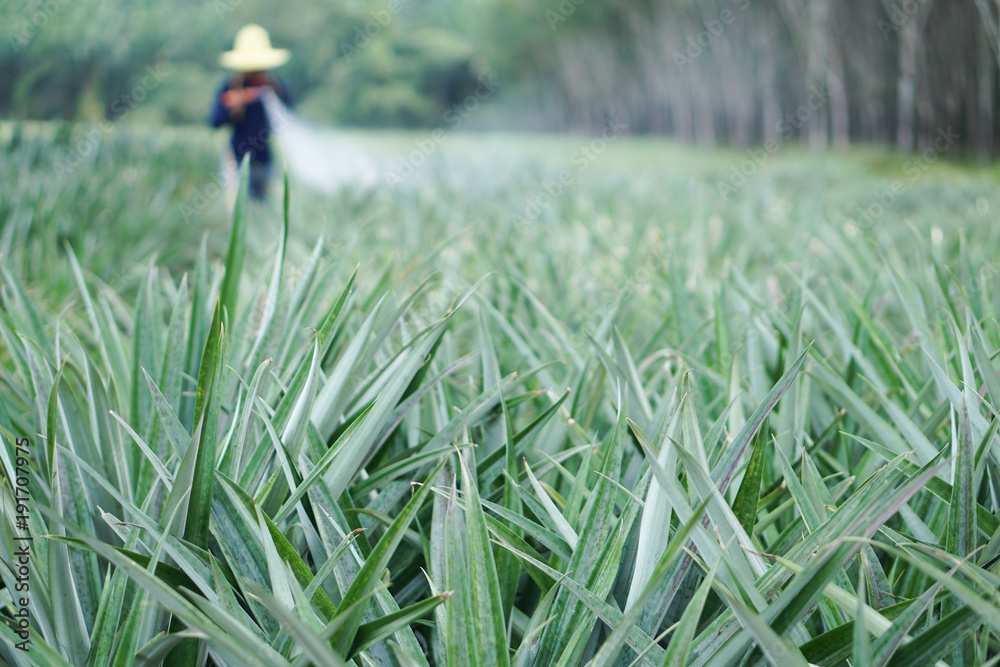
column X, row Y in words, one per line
column 716, row 72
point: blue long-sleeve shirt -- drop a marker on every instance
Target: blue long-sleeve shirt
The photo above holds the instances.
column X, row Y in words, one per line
column 252, row 131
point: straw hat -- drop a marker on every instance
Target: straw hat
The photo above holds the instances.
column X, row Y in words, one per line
column 252, row 51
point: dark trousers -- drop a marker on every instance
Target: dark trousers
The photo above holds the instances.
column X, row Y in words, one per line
column 260, row 175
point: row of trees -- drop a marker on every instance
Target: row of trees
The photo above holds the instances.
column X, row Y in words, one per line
column 742, row 71
column 706, row 71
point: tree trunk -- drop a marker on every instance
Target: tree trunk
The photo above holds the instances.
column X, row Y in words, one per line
column 651, row 75
column 906, row 85
column 704, row 117
column 839, row 109
column 817, row 66
column 770, row 97
column 737, row 95
column 984, row 134
column 680, row 98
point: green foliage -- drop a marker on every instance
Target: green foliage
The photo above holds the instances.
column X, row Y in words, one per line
column 778, row 442
column 363, row 63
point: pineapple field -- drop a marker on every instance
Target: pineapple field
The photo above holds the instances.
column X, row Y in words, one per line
column 527, row 400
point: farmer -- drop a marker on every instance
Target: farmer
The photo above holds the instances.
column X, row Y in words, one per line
column 239, row 101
